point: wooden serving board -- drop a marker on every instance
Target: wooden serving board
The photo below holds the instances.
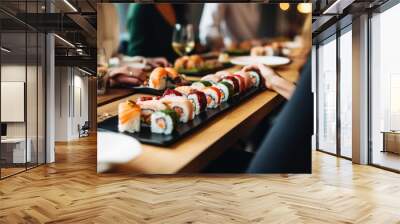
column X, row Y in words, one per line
column 183, row 129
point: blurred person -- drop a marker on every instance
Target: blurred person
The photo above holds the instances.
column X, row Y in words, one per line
column 150, row 27
column 131, row 73
column 287, row 146
column 224, row 23
column 108, row 29
column 243, row 25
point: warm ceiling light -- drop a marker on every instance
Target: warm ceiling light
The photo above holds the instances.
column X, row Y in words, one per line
column 70, row 5
column 5, row 50
column 284, row 6
column 65, row 41
column 304, row 7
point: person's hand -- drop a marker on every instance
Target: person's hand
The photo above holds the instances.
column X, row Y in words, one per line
column 267, row 73
column 127, row 75
column 158, row 62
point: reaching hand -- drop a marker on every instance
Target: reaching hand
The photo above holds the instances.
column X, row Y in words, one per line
column 267, row 73
column 127, row 75
column 158, row 62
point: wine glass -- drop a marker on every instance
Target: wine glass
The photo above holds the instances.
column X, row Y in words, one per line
column 183, row 39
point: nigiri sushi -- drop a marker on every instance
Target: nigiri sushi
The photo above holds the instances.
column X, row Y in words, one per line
column 164, row 121
column 181, row 105
column 148, row 107
column 158, row 78
column 172, row 74
column 128, row 117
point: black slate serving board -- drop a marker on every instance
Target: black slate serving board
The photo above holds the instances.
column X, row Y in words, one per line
column 183, row 129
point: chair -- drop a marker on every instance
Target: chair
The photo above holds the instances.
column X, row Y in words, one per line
column 84, row 130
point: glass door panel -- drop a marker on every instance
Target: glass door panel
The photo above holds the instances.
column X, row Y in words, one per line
column 385, row 89
column 327, row 96
column 346, row 94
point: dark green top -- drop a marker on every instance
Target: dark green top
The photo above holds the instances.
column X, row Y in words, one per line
column 150, row 33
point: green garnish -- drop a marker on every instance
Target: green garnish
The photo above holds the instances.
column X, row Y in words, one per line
column 229, row 86
column 172, row 114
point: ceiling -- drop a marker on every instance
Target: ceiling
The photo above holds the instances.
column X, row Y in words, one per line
column 72, row 20
column 330, row 15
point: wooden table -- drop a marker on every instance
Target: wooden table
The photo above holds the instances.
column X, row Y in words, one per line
column 194, row 152
column 113, row 94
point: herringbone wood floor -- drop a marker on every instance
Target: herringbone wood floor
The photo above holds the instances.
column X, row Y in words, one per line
column 70, row 191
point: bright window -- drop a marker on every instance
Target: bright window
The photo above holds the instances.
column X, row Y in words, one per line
column 385, row 84
column 345, row 94
column 327, row 96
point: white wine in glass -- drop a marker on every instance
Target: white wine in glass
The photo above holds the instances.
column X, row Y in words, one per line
column 183, row 39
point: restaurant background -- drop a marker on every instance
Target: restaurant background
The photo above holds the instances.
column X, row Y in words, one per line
column 208, row 42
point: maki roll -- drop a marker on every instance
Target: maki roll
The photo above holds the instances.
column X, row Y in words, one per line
column 158, row 78
column 226, row 90
column 211, row 78
column 201, row 84
column 148, row 107
column 199, row 101
column 255, row 78
column 182, row 106
column 185, row 90
column 213, row 96
column 144, row 98
column 242, row 83
column 164, row 121
column 171, row 92
column 234, row 82
column 128, row 117
column 247, row 79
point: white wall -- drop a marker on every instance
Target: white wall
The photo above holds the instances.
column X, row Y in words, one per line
column 33, row 127
column 71, row 102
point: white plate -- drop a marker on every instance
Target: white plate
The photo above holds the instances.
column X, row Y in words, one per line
column 114, row 148
column 272, row 61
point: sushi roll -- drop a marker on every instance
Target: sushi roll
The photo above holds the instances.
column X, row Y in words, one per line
column 128, row 117
column 255, row 78
column 226, row 90
column 144, row 98
column 181, row 105
column 163, row 122
column 211, row 78
column 223, row 74
column 148, row 107
column 199, row 101
column 201, row 84
column 213, row 96
column 185, row 90
column 247, row 79
column 234, row 82
column 158, row 79
column 242, row 83
column 171, row 92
